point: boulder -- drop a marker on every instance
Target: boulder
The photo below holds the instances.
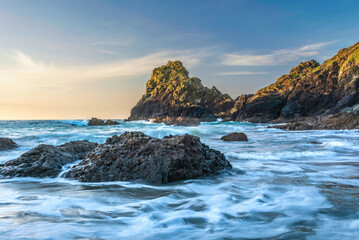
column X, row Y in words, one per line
column 236, row 136
column 7, row 144
column 99, row 122
column 136, row 156
column 46, row 160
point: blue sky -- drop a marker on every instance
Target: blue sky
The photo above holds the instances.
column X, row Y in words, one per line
column 77, row 59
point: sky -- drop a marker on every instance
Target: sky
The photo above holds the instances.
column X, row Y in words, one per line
column 75, row 59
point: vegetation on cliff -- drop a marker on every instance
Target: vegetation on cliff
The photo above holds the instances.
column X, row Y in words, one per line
column 171, row 95
column 309, row 90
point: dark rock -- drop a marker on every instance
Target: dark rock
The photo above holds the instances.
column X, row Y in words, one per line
column 136, row 156
column 171, row 93
column 237, row 136
column 100, row 122
column 46, row 160
column 7, row 144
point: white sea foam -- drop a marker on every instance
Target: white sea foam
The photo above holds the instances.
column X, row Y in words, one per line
column 285, row 185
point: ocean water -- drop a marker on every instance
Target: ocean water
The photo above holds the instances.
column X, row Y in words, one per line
column 284, row 185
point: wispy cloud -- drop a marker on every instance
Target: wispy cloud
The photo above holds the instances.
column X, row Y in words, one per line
column 240, row 73
column 274, row 58
column 106, row 51
column 27, row 70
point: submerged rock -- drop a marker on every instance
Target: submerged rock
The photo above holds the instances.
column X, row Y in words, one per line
column 136, row 156
column 100, row 122
column 46, row 160
column 7, row 144
column 171, row 93
column 237, row 136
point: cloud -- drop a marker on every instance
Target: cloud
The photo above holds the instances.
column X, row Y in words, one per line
column 276, row 57
column 26, row 70
column 240, row 73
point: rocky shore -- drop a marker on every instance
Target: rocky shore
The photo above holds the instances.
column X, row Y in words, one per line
column 310, row 96
column 132, row 156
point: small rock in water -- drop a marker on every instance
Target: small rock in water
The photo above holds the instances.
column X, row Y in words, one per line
column 237, row 136
column 136, row 156
column 7, row 144
column 99, row 122
column 46, row 160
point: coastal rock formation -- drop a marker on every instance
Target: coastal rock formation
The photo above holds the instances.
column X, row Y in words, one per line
column 309, row 90
column 346, row 119
column 46, row 160
column 172, row 96
column 7, row 144
column 237, row 136
column 136, row 156
column 99, row 122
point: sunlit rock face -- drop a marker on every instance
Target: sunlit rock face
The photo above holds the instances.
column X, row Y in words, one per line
column 171, row 95
column 310, row 89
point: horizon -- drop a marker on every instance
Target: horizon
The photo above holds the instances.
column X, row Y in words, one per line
column 69, row 60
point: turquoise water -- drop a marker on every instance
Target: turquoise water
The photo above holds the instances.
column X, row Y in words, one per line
column 284, row 185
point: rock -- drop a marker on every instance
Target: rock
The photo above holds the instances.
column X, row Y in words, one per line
column 136, row 156
column 310, row 90
column 296, row 126
column 236, row 136
column 7, row 144
column 171, row 93
column 99, row 122
column 342, row 120
column 46, row 160
column 178, row 121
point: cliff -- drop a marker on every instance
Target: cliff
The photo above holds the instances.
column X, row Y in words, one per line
column 309, row 90
column 173, row 97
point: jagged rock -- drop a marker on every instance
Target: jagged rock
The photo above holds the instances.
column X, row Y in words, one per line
column 7, row 144
column 171, row 93
column 309, row 90
column 46, row 160
column 237, row 136
column 100, row 122
column 136, row 156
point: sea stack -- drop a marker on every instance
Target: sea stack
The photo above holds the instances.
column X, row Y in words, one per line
column 173, row 97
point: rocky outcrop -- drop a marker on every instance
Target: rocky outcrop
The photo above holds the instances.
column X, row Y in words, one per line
column 46, row 160
column 180, row 121
column 100, row 122
column 309, row 90
column 236, row 136
column 171, row 96
column 347, row 118
column 7, row 144
column 136, row 156
column 295, row 126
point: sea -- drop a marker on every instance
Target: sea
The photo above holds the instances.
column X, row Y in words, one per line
column 284, row 185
